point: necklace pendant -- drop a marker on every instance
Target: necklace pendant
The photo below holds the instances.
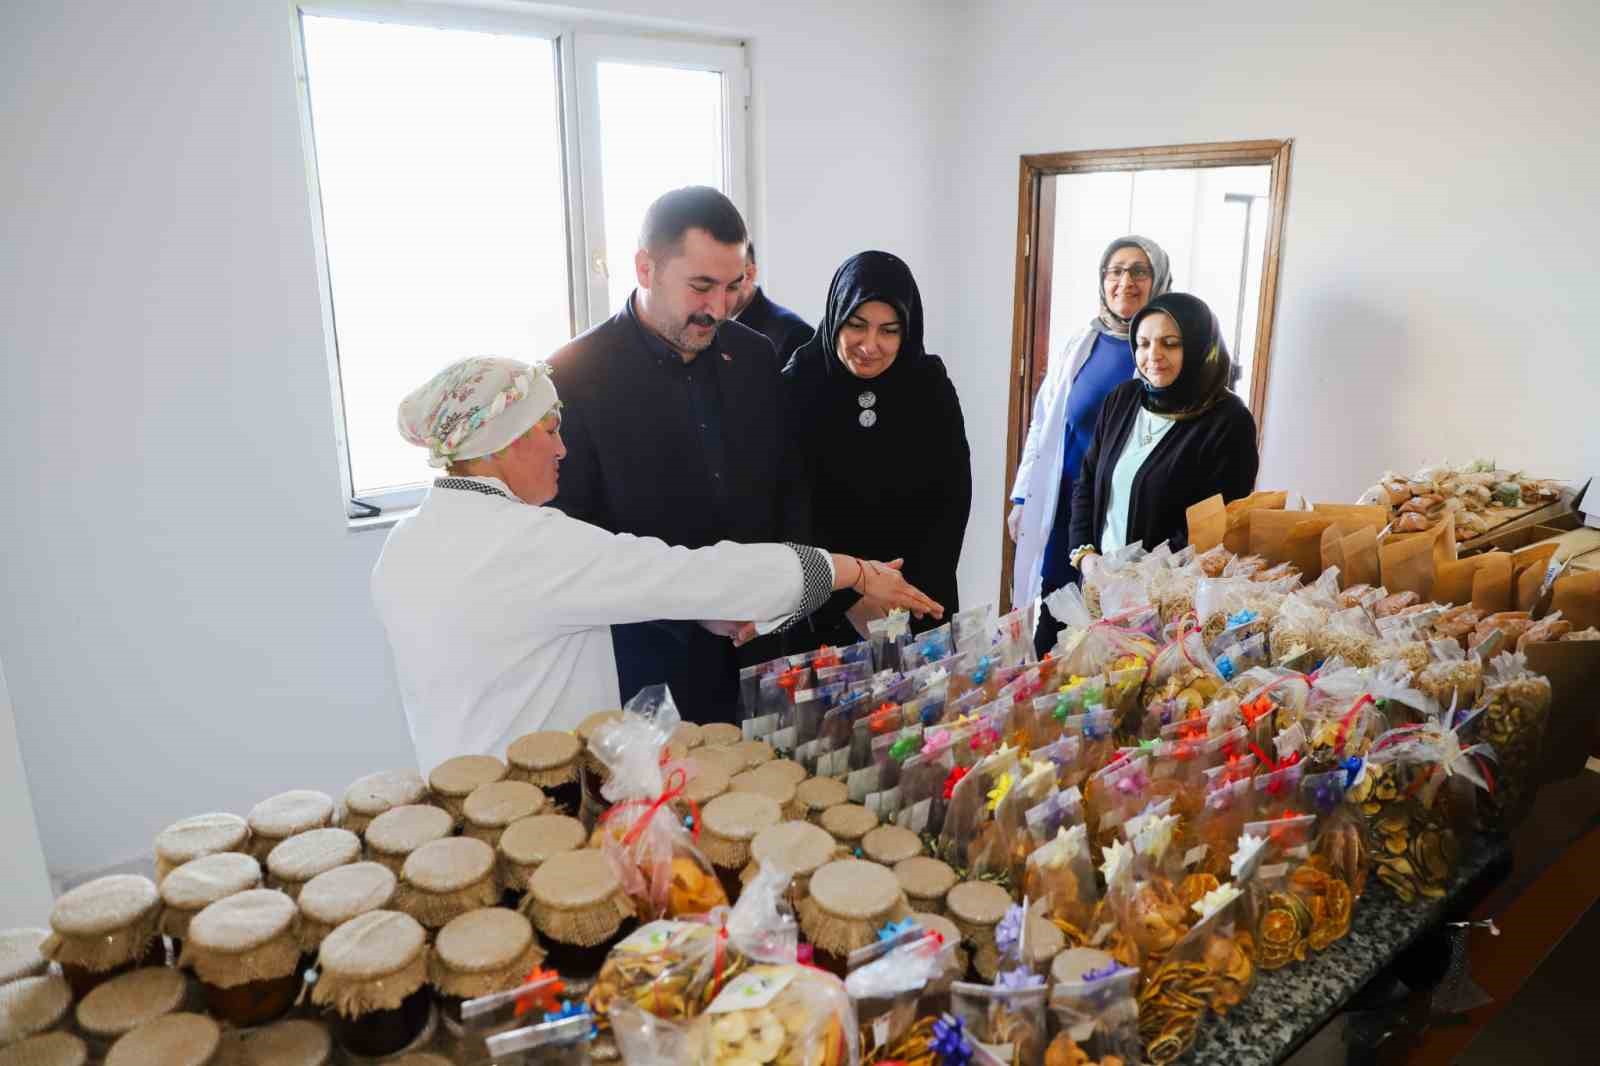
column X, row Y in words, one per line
column 867, row 400
column 868, row 419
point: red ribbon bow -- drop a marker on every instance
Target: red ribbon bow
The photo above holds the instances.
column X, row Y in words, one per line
column 952, row 780
column 677, row 782
column 1347, row 721
column 886, row 717
column 545, row 997
column 789, row 680
column 1279, row 831
column 826, row 657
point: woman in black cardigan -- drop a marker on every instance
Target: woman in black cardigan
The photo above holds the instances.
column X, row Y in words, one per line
column 1169, row 438
column 881, row 441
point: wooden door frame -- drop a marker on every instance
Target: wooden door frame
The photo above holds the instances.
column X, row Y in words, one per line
column 1030, row 317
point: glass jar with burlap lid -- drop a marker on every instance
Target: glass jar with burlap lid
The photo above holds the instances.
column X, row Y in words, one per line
column 706, row 781
column 31, row 1005
column 977, row 907
column 728, row 825
column 724, row 760
column 935, row 999
column 330, row 899
column 199, row 883
column 720, row 735
column 786, row 768
column 478, row 954
column 492, row 807
column 752, row 753
column 453, row 780
column 46, row 1049
column 394, row 835
column 1070, row 965
column 246, row 954
column 276, row 819
column 305, row 855
column 295, row 1042
column 528, row 842
column 580, row 909
column 385, row 790
column 890, row 844
column 178, row 1039
column 103, row 928
column 372, row 974
column 193, row 838
column 1044, row 940
column 585, row 734
column 593, row 773
column 446, row 879
column 549, row 759
column 688, row 734
column 848, row 902
column 848, row 823
column 818, row 794
column 20, row 955
column 124, row 1003
column 926, row 881
column 799, row 848
column 777, row 786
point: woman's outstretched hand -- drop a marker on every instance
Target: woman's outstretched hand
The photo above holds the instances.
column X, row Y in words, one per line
column 883, row 585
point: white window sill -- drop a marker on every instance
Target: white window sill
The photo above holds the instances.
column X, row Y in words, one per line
column 387, row 520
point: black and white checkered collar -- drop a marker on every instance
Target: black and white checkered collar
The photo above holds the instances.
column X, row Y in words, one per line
column 488, row 486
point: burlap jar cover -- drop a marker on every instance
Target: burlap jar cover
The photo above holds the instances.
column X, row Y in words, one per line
column 483, row 952
column 425, row 1058
column 752, row 753
column 20, row 955
column 848, row 822
column 297, row 1042
column 959, row 961
column 689, row 734
column 799, row 848
column 723, row 760
column 977, row 907
column 787, row 768
column 330, row 899
column 720, row 735
column 818, row 794
column 446, row 879
column 575, row 898
column 32, row 1005
column 492, row 807
column 777, row 786
column 369, row 797
column 547, row 758
column 1045, row 941
column 104, row 924
column 274, row 820
column 394, row 835
column 528, row 842
column 585, row 733
column 46, row 1049
column 178, row 1039
column 729, row 823
column 197, row 884
column 707, row 781
column 453, row 780
column 926, row 882
column 371, row 963
column 124, row 1003
column 193, row 838
column 849, row 901
column 890, row 844
column 305, row 855
column 244, row 938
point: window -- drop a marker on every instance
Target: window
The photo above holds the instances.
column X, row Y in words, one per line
column 481, row 178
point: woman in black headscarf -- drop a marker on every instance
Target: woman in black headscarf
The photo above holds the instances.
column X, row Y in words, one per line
column 1173, row 436
column 880, row 438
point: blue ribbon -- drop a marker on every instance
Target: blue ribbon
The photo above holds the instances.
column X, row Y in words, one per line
column 981, row 674
column 572, row 1009
column 894, row 929
column 1225, row 668
column 1242, row 618
column 1091, row 732
column 950, row 1042
column 930, row 714
column 1102, row 973
column 1351, row 768
column 1328, row 794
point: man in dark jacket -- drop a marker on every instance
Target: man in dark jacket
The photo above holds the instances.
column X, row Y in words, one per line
column 785, row 329
column 673, row 429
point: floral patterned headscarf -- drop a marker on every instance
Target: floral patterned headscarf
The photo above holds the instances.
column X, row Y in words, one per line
column 476, row 407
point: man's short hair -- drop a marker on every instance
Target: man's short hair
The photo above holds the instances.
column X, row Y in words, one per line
column 692, row 207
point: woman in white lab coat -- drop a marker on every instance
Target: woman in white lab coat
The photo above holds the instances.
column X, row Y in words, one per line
column 498, row 608
column 1098, row 358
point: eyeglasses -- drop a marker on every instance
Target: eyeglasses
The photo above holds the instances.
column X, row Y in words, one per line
column 1138, row 272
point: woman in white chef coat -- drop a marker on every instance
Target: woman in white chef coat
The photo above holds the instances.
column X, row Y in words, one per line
column 498, row 608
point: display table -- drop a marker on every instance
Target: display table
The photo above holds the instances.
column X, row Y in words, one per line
column 1287, row 1007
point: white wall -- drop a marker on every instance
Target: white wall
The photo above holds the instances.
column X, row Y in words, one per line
column 1440, row 150
column 187, row 621
column 25, row 889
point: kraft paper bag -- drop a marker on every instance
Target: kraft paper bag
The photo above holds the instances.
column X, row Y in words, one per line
column 1573, row 667
column 1527, row 572
column 1360, row 557
column 1406, row 564
column 1208, row 523
column 1491, row 583
column 1303, row 546
column 1352, row 516
column 1237, row 537
column 1578, row 599
column 1333, row 553
column 1452, row 582
column 1528, row 583
column 1269, row 532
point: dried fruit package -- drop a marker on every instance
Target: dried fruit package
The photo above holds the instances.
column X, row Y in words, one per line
column 885, row 992
column 1453, row 679
column 969, row 838
column 1097, row 1018
column 1284, row 918
column 1061, row 876
column 1113, row 795
column 782, row 1013
column 1006, row 1022
column 1516, row 716
column 1211, row 967
column 1066, row 755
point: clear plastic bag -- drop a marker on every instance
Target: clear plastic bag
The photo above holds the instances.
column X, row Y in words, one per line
column 1097, row 1018
column 645, row 841
column 1008, row 1023
column 1516, row 717
column 787, row 1013
column 1298, row 629
column 885, row 991
column 1452, row 679
column 928, row 647
column 1284, row 922
column 1113, row 795
column 1032, row 786
column 888, row 636
column 969, row 838
column 1065, row 755
column 973, row 628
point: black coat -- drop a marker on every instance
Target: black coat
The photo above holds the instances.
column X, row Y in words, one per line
column 1198, row 458
column 785, row 329
column 900, row 487
column 636, row 464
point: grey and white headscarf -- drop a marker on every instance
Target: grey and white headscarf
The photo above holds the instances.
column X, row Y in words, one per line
column 1109, row 321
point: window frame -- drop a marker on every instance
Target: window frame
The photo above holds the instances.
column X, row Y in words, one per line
column 579, row 46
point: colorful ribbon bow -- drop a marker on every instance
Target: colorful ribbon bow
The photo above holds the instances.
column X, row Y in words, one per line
column 950, row 1042
column 1062, row 709
column 1019, row 980
column 1225, row 667
column 542, row 998
column 894, row 929
column 981, row 674
column 903, row 747
column 952, row 780
column 1095, row 729
column 1352, row 770
column 1133, row 783
column 1001, row 788
column 1328, row 793
column 790, row 680
column 984, row 738
column 825, row 658
column 935, row 741
column 930, row 713
column 885, row 717
column 1279, row 829
column 1108, row 970
column 1242, row 618
column 677, row 781
column 1008, row 934
column 572, row 1009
